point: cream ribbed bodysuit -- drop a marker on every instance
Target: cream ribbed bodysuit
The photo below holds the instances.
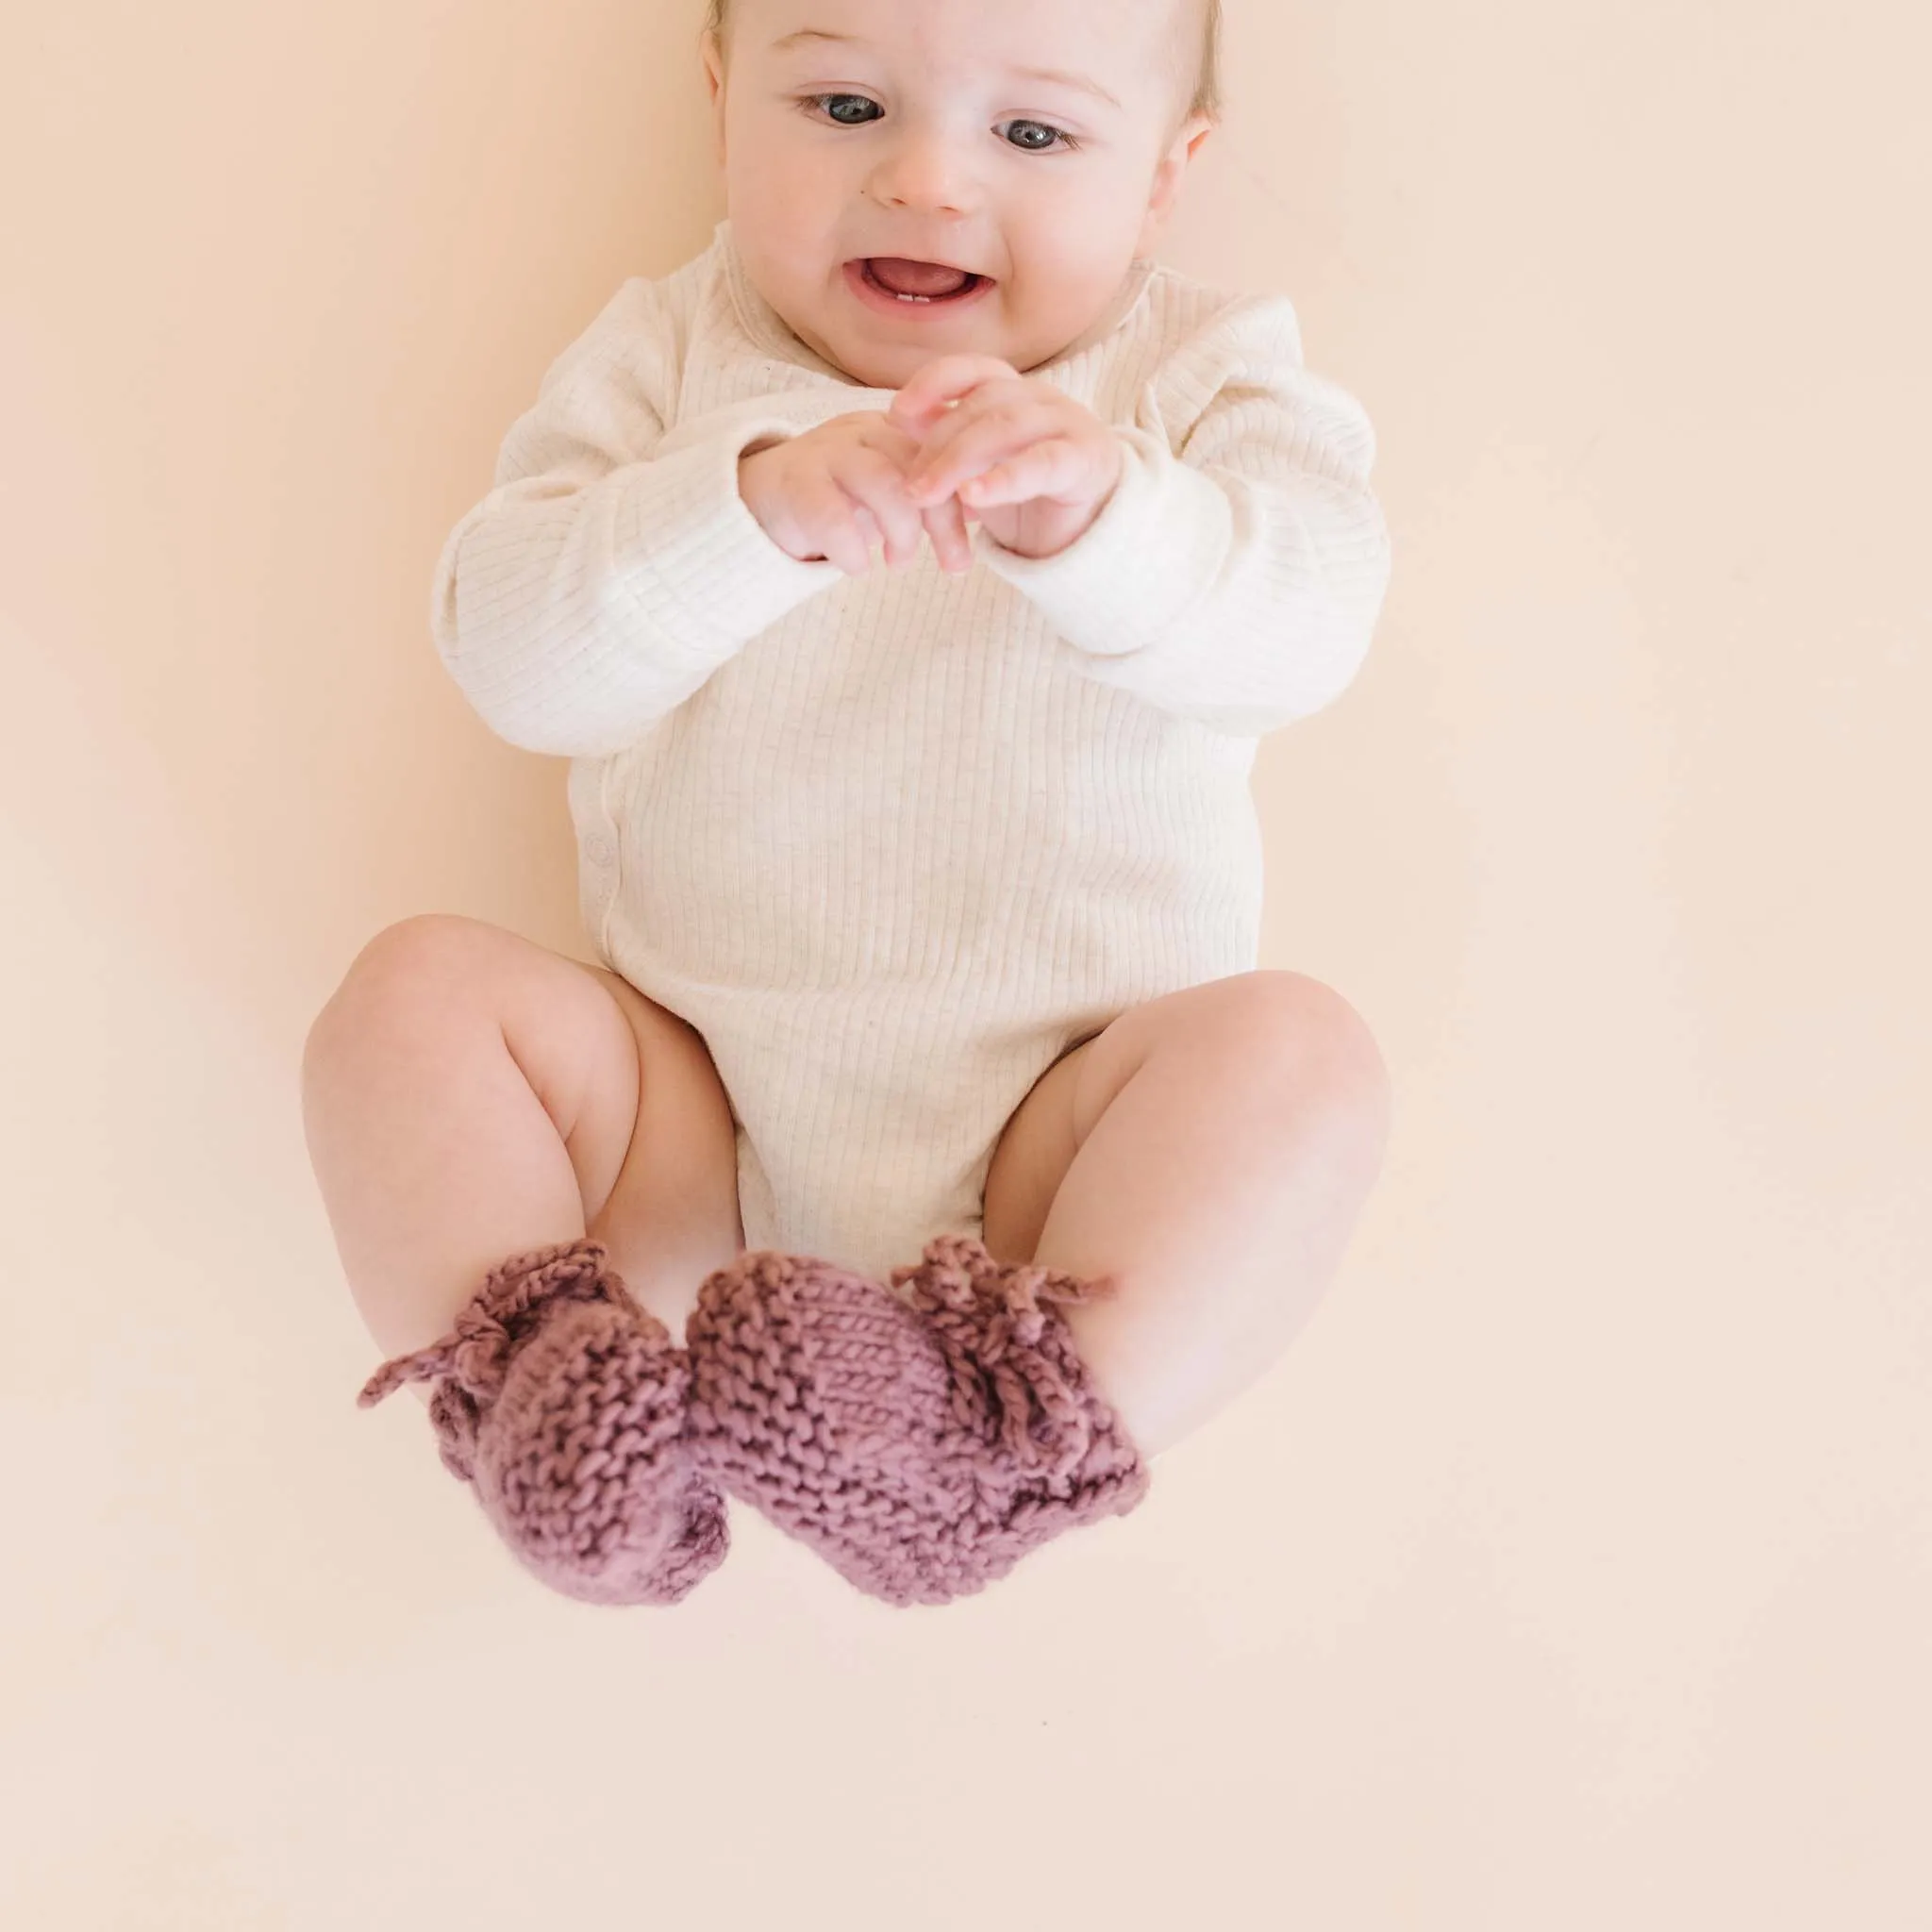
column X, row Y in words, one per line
column 894, row 843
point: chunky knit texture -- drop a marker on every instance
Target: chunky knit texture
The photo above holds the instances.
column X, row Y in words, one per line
column 922, row 1438
column 893, row 843
column 563, row 1406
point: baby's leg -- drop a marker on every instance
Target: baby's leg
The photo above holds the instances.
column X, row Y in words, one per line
column 468, row 1096
column 1226, row 1137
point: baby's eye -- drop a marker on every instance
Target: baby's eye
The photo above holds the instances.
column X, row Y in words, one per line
column 818, row 101
column 810, row 102
column 1044, row 129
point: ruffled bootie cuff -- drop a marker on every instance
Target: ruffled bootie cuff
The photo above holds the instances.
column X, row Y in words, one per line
column 923, row 1437
column 562, row 1403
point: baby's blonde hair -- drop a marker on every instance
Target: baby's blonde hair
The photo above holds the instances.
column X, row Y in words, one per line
column 1206, row 97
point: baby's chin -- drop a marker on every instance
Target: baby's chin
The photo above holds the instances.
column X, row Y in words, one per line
column 892, row 365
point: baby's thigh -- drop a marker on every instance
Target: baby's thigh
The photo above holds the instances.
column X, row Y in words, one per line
column 630, row 1087
column 670, row 1214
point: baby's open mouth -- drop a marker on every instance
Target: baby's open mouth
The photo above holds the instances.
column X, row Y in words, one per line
column 918, row 281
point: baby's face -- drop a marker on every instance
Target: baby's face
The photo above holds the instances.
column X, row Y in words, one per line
column 936, row 144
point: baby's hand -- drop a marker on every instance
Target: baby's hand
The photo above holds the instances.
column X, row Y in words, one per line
column 1035, row 466
column 826, row 494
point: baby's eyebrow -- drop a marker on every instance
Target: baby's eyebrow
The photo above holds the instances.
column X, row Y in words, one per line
column 1081, row 81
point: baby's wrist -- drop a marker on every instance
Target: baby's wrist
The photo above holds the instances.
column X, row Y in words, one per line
column 753, row 479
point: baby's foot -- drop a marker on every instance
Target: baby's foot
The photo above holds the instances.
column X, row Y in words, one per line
column 563, row 1405
column 922, row 1440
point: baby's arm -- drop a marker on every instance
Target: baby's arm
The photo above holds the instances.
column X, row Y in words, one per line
column 613, row 568
column 1237, row 574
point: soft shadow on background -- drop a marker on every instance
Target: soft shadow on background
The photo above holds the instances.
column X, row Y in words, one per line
column 1575, row 1567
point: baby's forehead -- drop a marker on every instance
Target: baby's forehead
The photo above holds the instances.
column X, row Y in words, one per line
column 1108, row 35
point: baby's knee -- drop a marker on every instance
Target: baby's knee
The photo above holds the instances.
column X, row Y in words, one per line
column 418, row 962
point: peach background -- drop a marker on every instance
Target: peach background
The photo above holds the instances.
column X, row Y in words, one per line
column 1575, row 1567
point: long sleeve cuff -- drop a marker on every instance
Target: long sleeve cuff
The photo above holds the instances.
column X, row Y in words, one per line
column 1242, row 598
column 1151, row 555
column 699, row 564
column 573, row 618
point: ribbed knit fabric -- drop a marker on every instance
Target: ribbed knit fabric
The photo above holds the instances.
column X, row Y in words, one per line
column 562, row 1404
column 921, row 1438
column 893, row 843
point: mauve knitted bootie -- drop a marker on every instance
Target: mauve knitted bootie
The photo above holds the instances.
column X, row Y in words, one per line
column 563, row 1406
column 921, row 1441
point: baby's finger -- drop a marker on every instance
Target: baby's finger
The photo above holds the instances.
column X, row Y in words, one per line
column 878, row 484
column 1049, row 468
column 980, row 444
column 833, row 520
column 948, row 380
column 945, row 523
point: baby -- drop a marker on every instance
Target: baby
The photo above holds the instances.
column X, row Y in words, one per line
column 926, row 889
